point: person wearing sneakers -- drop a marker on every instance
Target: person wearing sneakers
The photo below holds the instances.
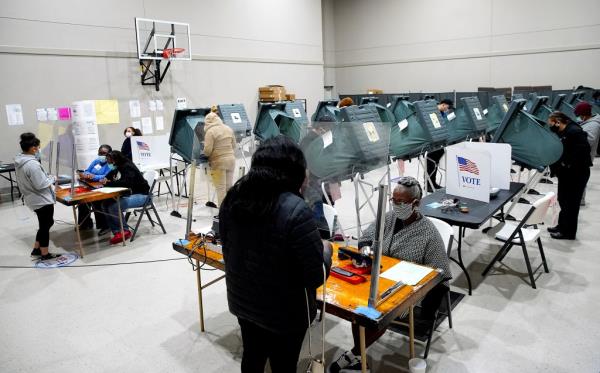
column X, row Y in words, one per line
column 38, row 195
column 591, row 125
column 408, row 235
column 219, row 145
column 128, row 177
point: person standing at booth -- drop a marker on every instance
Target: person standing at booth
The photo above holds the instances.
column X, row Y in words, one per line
column 219, row 147
column 274, row 257
column 126, row 147
column 433, row 158
column 573, row 172
column 591, row 125
column 38, row 195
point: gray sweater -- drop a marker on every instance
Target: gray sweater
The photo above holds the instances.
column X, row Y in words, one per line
column 33, row 182
column 592, row 128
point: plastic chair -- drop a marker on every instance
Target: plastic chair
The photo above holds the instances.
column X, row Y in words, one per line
column 526, row 231
column 151, row 177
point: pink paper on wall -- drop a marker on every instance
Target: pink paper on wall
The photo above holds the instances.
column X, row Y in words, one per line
column 64, row 113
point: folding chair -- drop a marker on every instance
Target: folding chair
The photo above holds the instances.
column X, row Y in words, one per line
column 151, row 177
column 522, row 233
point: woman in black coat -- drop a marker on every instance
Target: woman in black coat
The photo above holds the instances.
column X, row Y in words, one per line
column 274, row 257
column 126, row 147
column 573, row 172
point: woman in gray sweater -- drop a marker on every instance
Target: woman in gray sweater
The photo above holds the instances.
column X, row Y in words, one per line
column 36, row 187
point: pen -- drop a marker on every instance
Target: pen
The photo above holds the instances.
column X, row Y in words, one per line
column 391, row 289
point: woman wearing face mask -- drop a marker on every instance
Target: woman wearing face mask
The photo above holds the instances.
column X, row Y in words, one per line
column 573, row 172
column 96, row 171
column 410, row 236
column 36, row 187
column 126, row 147
column 128, row 177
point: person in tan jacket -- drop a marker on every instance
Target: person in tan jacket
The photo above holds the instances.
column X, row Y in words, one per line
column 219, row 145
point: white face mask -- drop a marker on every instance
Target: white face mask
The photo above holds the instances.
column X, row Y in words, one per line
column 128, row 134
column 403, row 210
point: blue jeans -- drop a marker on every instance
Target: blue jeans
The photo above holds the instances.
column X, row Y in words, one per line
column 127, row 202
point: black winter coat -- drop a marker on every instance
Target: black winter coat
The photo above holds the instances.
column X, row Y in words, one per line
column 130, row 178
column 576, row 150
column 270, row 261
column 126, row 148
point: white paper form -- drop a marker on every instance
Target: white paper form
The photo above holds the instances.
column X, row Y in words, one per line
column 407, row 272
column 14, row 114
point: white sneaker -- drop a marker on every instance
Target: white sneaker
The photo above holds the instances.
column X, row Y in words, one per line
column 346, row 363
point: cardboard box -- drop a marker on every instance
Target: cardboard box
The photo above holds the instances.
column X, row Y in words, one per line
column 290, row 96
column 272, row 89
column 374, row 91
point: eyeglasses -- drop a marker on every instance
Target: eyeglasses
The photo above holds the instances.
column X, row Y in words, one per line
column 397, row 202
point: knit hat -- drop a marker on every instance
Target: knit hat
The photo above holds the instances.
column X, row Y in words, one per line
column 583, row 109
column 212, row 119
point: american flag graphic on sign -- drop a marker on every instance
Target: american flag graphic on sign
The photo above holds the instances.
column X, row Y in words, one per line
column 142, row 146
column 467, row 166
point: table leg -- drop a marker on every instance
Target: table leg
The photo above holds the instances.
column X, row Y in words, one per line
column 121, row 219
column 200, row 306
column 460, row 261
column 77, row 231
column 411, row 332
column 363, row 349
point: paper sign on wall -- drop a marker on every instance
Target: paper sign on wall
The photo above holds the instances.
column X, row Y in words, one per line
column 236, row 118
column 41, row 115
column 14, row 114
column 64, row 113
column 181, row 103
column 160, row 123
column 134, row 109
column 52, row 113
column 152, row 105
column 434, row 120
column 146, row 125
column 107, row 111
column 159, row 105
column 136, row 124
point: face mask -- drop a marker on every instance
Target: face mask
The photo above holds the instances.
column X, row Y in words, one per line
column 127, row 134
column 403, row 211
column 102, row 158
column 111, row 167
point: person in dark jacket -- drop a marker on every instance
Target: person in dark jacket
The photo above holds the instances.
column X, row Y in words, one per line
column 126, row 147
column 124, row 174
column 573, row 172
column 433, row 158
column 274, row 257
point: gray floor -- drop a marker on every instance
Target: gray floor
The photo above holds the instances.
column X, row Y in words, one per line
column 144, row 317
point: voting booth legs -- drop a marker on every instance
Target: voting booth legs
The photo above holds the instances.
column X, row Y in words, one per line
column 571, row 185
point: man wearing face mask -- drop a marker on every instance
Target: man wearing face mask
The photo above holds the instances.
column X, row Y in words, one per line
column 410, row 236
column 573, row 172
column 96, row 171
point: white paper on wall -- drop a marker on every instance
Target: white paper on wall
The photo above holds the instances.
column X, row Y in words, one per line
column 136, row 124
column 160, row 123
column 134, row 108
column 52, row 113
column 14, row 114
column 159, row 105
column 147, row 126
column 181, row 103
column 152, row 105
column 41, row 115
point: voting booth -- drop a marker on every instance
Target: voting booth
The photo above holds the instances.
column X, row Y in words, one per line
column 538, row 107
column 296, row 110
column 272, row 120
column 187, row 133
column 469, row 171
column 533, row 145
column 236, row 118
column 428, row 114
column 326, row 109
column 468, row 122
column 496, row 112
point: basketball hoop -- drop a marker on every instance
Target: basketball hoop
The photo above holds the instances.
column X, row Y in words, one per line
column 170, row 52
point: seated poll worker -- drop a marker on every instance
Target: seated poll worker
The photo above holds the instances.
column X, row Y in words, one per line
column 410, row 236
column 572, row 171
column 274, row 257
column 311, row 190
column 124, row 175
column 96, row 171
column 219, row 147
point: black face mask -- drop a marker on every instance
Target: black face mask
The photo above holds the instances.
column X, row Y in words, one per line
column 554, row 129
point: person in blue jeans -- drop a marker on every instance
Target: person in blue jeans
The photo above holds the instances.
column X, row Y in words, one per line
column 96, row 171
column 124, row 175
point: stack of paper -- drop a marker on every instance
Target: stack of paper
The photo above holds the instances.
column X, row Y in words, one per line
column 110, row 190
column 407, row 272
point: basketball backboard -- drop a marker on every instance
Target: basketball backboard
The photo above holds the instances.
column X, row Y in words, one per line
column 157, row 41
column 154, row 37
